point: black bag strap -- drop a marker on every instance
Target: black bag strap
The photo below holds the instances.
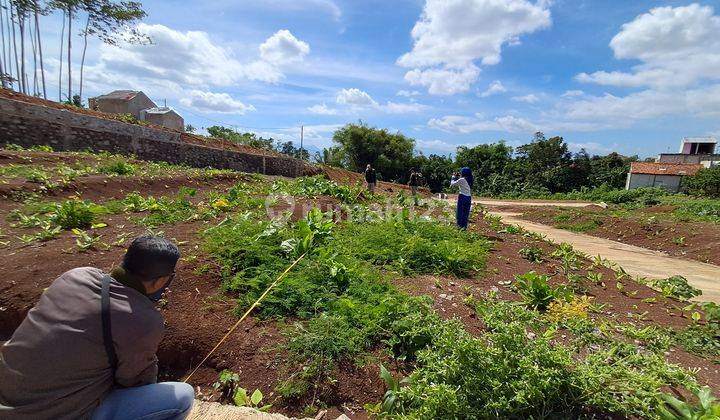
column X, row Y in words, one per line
column 106, row 326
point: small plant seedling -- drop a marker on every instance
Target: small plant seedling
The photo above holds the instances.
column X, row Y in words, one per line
column 532, row 253
column 84, row 240
column 240, row 398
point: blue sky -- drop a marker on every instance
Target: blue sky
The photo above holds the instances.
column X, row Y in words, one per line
column 612, row 75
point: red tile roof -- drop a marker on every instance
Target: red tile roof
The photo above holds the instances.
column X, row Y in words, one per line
column 656, row 168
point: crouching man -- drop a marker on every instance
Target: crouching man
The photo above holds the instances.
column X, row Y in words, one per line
column 87, row 349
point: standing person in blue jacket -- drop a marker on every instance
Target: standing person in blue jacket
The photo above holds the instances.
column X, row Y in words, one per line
column 464, row 181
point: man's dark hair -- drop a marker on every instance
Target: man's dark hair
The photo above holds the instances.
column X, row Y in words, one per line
column 150, row 257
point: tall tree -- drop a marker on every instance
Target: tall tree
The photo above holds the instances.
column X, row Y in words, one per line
column 110, row 22
column 390, row 154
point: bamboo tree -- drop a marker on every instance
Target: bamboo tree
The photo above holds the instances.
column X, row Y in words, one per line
column 109, row 21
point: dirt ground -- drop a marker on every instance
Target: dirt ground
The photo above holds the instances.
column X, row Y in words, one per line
column 198, row 314
column 691, row 240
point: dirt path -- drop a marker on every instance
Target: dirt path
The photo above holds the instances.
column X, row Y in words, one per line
column 635, row 260
column 535, row 203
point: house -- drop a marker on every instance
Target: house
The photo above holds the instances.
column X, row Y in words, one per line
column 165, row 116
column 659, row 174
column 702, row 150
column 140, row 106
column 122, row 102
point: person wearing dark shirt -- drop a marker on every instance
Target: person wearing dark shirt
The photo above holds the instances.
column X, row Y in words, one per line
column 370, row 178
column 87, row 349
column 414, row 183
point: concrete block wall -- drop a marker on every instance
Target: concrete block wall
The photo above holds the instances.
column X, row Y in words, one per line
column 30, row 125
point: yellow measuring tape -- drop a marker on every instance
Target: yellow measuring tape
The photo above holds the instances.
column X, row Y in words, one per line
column 245, row 315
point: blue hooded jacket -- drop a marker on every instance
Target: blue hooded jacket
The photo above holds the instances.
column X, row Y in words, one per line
column 467, row 174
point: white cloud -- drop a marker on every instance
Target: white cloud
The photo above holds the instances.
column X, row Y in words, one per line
column 444, row 81
column 322, row 110
column 354, row 97
column 408, row 93
column 354, row 100
column 452, row 34
column 464, row 125
column 528, row 99
column 494, row 88
column 221, row 103
column 180, row 60
column 283, row 48
column 677, row 46
column 402, row 108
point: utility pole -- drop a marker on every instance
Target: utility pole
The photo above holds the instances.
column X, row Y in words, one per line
column 302, row 135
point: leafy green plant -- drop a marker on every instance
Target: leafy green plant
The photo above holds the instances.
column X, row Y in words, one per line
column 117, row 167
column 532, row 254
column 241, row 398
column 74, row 214
column 393, row 385
column 84, row 240
column 537, row 292
column 705, row 409
column 568, row 257
column 228, row 381
column 676, row 287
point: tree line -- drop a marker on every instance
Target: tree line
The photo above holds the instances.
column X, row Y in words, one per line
column 542, row 166
column 253, row 140
column 22, row 62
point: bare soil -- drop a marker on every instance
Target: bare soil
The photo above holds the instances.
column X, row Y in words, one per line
column 692, row 240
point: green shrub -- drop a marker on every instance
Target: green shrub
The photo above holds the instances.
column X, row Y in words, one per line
column 503, row 374
column 705, row 183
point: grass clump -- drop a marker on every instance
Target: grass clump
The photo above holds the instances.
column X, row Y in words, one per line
column 117, row 167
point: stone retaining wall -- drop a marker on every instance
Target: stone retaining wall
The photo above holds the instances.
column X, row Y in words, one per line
column 30, row 125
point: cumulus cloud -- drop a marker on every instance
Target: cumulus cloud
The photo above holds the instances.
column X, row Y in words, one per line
column 677, row 46
column 354, row 97
column 679, row 53
column 528, row 99
column 283, row 48
column 178, row 59
column 442, row 81
column 451, row 35
column 494, row 88
column 221, row 103
column 353, row 100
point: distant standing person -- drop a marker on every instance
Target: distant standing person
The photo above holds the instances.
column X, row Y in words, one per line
column 87, row 348
column 370, row 178
column 464, row 181
column 414, row 183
